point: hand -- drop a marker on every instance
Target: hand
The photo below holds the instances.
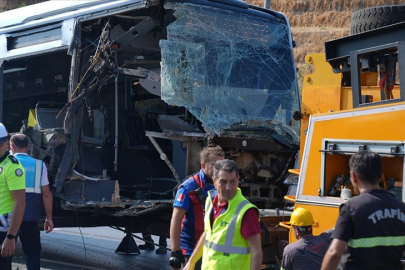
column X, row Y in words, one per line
column 176, row 259
column 8, row 248
column 48, row 225
column 345, row 193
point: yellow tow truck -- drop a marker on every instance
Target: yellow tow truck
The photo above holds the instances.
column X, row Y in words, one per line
column 352, row 101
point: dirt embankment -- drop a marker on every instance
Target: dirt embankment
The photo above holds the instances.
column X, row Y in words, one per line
column 322, row 13
column 12, row 4
column 315, row 21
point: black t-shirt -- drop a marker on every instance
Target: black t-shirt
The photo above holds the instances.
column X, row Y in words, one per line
column 373, row 224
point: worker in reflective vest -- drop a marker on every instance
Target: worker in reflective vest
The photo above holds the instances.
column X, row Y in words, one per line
column 37, row 194
column 231, row 238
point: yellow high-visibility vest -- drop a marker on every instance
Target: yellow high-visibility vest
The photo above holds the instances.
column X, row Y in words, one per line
column 225, row 247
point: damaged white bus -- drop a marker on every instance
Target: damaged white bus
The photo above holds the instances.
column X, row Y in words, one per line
column 118, row 98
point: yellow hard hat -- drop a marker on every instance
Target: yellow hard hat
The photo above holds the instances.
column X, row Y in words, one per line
column 301, row 217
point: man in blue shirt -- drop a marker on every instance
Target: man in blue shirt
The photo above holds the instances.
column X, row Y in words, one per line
column 187, row 223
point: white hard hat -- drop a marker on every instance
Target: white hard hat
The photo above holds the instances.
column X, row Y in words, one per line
column 3, row 133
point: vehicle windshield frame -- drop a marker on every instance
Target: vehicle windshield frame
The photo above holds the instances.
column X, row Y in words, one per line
column 269, row 47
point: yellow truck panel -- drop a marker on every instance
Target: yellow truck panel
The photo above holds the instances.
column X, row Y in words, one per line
column 347, row 106
column 323, row 93
column 374, row 127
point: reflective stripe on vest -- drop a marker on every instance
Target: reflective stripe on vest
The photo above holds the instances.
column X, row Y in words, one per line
column 208, row 205
column 228, row 248
column 377, row 241
column 37, row 184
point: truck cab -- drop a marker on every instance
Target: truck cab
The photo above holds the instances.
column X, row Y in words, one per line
column 353, row 101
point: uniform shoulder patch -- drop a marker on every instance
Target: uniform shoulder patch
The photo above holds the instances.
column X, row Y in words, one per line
column 19, row 172
column 13, row 159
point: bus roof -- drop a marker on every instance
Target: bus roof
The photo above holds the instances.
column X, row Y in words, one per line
column 54, row 10
column 41, row 10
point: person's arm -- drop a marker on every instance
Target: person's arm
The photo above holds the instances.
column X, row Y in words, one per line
column 342, row 233
column 181, row 205
column 8, row 246
column 250, row 230
column 255, row 246
column 197, row 254
column 333, row 255
column 175, row 227
column 47, row 200
column 286, row 261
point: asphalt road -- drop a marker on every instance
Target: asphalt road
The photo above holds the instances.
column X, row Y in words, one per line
column 89, row 249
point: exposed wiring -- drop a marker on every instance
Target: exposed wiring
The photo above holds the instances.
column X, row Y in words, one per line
column 84, row 76
column 94, row 62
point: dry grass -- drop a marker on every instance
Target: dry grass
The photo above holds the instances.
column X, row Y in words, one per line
column 315, row 21
column 302, row 6
column 319, row 13
column 313, row 41
column 12, row 4
column 320, row 19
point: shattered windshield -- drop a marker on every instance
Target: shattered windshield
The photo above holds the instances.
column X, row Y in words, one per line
column 231, row 70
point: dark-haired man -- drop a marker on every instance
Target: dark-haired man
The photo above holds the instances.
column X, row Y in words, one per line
column 37, row 192
column 187, row 223
column 307, row 253
column 231, row 238
column 370, row 224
